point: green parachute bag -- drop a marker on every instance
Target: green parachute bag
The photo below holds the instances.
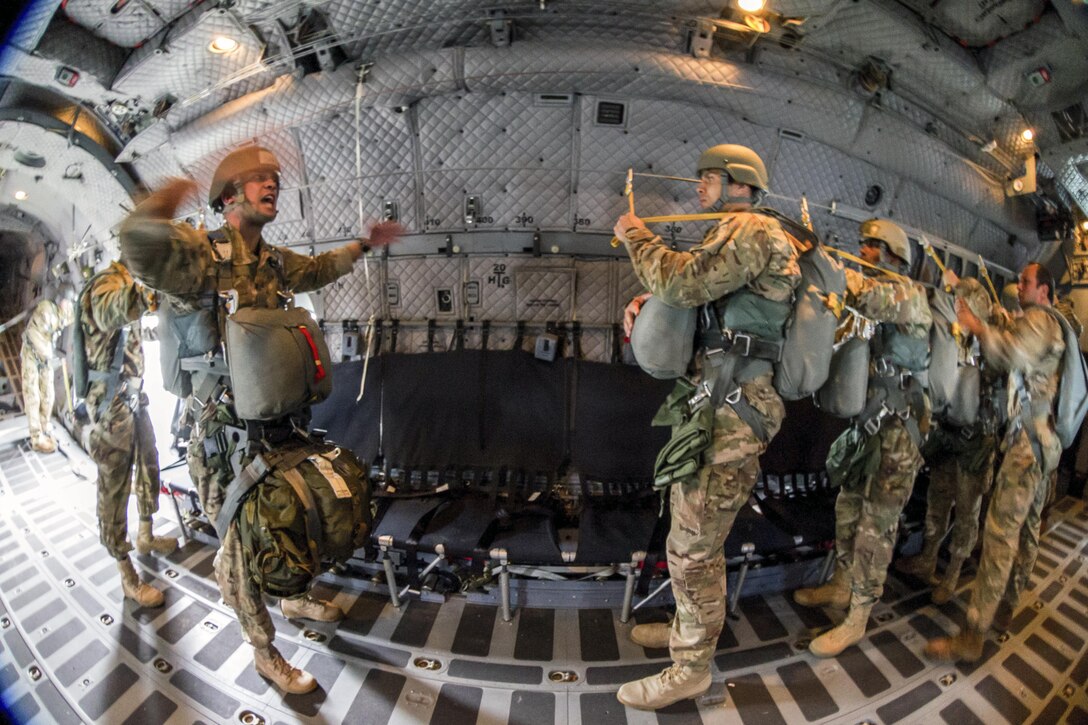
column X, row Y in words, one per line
column 681, row 457
column 299, row 519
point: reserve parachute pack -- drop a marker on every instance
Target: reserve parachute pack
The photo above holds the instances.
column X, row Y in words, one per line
column 662, row 338
column 1072, row 400
column 278, row 360
column 297, row 511
column 954, row 388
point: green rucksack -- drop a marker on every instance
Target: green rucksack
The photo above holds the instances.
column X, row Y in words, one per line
column 309, row 508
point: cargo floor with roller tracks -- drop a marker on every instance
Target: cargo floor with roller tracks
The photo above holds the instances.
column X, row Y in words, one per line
column 72, row 651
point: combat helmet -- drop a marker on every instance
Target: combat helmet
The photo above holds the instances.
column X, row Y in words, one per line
column 741, row 163
column 891, row 234
column 238, row 163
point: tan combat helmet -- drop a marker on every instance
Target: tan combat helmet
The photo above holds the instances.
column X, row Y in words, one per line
column 236, row 164
column 741, row 163
column 891, row 234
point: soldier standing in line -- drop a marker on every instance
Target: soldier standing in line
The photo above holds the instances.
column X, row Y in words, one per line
column 875, row 461
column 195, row 270
column 1031, row 349
column 43, row 329
column 745, row 260
column 961, row 462
column 122, row 441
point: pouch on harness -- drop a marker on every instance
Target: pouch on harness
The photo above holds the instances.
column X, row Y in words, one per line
column 278, row 360
column 297, row 510
column 1072, row 401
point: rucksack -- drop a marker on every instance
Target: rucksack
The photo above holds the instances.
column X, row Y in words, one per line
column 1072, row 400
column 310, row 508
column 278, row 360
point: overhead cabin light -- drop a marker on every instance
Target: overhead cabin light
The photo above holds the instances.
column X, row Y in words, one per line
column 1084, row 225
column 223, row 44
column 752, row 6
column 21, row 195
column 1027, row 134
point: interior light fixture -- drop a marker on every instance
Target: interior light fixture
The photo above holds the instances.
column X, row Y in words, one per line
column 751, row 6
column 223, row 44
column 1084, row 225
column 21, row 195
column 758, row 24
column 1027, row 134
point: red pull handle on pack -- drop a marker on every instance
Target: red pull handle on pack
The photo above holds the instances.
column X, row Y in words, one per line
column 319, row 373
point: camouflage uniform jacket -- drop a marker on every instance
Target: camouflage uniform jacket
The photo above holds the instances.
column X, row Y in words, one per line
column 892, row 300
column 42, row 330
column 113, row 299
column 181, row 261
column 744, row 249
column 1030, row 346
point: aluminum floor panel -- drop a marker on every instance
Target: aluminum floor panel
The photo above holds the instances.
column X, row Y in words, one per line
column 71, row 650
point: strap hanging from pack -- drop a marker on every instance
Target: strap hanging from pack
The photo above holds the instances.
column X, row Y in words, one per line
column 432, row 325
column 314, row 535
column 250, row 476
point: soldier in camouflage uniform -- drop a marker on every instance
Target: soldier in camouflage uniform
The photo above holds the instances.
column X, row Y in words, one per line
column 745, row 255
column 961, row 460
column 43, row 328
column 122, row 441
column 190, row 268
column 876, row 460
column 1031, row 349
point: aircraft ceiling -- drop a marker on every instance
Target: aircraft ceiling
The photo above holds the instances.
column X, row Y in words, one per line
column 536, row 109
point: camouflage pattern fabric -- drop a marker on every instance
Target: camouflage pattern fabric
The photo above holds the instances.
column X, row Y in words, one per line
column 1030, row 346
column 1065, row 307
column 43, row 327
column 743, row 251
column 961, row 471
column 241, row 594
column 872, row 496
column 867, row 512
column 122, row 441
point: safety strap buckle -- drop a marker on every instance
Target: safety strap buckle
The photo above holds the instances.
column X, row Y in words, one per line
column 702, row 393
column 872, row 425
column 734, row 397
column 883, row 367
column 737, row 338
column 904, row 379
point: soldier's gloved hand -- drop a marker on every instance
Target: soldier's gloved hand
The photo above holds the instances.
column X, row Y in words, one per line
column 383, row 234
column 625, row 223
column 630, row 312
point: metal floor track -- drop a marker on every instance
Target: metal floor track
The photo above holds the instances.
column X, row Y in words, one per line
column 71, row 650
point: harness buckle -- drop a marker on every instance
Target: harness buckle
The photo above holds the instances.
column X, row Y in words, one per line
column 883, row 367
column 904, row 379
column 702, row 393
column 736, row 339
column 734, row 397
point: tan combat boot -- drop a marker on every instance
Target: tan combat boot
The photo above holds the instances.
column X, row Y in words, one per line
column 44, row 444
column 850, row 632
column 271, row 665
column 674, row 684
column 964, row 647
column 951, row 579
column 143, row 594
column 146, row 542
column 922, row 565
column 835, row 593
column 306, row 607
column 654, row 635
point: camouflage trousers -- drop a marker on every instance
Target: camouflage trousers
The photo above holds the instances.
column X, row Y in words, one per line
column 867, row 513
column 952, row 480
column 38, row 393
column 211, row 473
column 122, row 444
column 1010, row 542
column 240, row 594
column 702, row 513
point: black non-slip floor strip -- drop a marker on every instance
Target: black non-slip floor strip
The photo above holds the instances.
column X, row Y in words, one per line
column 807, row 691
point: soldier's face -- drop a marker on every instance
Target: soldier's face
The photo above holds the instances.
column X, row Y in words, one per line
column 1028, row 290
column 260, row 195
column 870, row 251
column 709, row 188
